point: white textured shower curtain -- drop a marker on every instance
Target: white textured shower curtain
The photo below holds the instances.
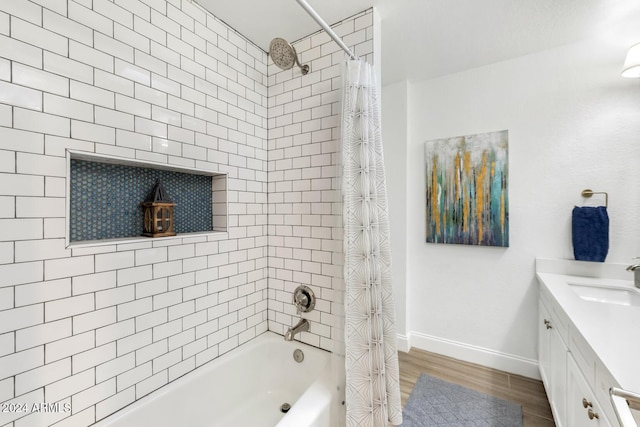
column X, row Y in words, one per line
column 371, row 360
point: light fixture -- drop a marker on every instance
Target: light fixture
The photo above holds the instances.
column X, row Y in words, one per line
column 632, row 62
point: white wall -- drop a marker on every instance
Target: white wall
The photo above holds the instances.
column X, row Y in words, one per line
column 573, row 123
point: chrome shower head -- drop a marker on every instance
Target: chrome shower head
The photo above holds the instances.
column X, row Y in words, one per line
column 284, row 55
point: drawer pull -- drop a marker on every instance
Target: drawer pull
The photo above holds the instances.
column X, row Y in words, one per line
column 586, row 403
column 592, row 414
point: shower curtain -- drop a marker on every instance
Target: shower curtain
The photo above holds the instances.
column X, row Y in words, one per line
column 371, row 360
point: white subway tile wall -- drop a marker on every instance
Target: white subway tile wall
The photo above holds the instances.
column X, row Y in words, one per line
column 305, row 210
column 99, row 327
column 159, row 80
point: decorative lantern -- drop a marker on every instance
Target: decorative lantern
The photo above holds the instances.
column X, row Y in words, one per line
column 158, row 213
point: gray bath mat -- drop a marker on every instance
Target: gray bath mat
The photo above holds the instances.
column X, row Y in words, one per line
column 437, row 403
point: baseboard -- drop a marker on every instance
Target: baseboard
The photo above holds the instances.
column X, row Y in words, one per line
column 474, row 354
column 404, row 343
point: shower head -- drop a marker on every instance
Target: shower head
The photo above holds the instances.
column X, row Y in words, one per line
column 284, row 55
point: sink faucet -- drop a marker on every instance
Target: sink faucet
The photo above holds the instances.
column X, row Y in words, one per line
column 302, row 326
column 636, row 274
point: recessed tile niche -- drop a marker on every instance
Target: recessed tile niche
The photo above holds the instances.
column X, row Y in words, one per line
column 105, row 196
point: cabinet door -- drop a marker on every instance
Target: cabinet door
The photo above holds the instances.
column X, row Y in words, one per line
column 582, row 408
column 543, row 344
column 558, row 355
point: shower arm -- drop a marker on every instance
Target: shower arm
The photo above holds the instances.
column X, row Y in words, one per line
column 325, row 27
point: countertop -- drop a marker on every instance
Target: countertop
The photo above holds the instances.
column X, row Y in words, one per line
column 613, row 331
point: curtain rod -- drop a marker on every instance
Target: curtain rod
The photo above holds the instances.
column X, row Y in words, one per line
column 325, row 27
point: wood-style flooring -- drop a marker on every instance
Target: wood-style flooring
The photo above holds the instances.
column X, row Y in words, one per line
column 527, row 392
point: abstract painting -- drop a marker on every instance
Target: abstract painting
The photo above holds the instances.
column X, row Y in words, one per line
column 467, row 190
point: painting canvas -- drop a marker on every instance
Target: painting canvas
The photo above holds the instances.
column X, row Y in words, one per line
column 467, row 190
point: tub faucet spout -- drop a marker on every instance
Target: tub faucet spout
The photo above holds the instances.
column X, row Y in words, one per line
column 301, row 326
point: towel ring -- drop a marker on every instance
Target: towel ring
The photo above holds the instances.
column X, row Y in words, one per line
column 588, row 193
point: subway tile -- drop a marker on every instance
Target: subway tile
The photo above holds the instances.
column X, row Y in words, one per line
column 114, row 261
column 114, row 367
column 69, row 386
column 69, row 346
column 42, row 334
column 7, row 344
column 40, row 207
column 150, row 256
column 6, row 298
column 161, row 363
column 113, row 12
column 151, row 287
column 6, row 115
column 134, row 342
column 93, row 282
column 149, row 320
column 40, row 122
column 59, row 24
column 90, row 56
column 133, row 106
column 17, row 274
column 7, row 161
column 63, row 106
column 20, row 96
column 113, row 83
column 21, row 361
column 92, row 94
column 19, row 51
column 34, row 293
column 38, row 79
column 88, row 17
column 129, row 378
column 94, row 319
column 151, row 352
column 131, row 38
column 114, row 332
column 6, row 389
column 93, row 395
column 90, row 358
column 182, row 368
column 114, row 118
column 55, row 187
column 68, row 307
column 150, row 95
column 151, row 384
column 68, row 68
column 151, row 63
column 138, row 8
column 149, row 127
column 24, row 10
column 134, row 275
column 133, row 140
column 134, row 308
column 42, row 376
column 5, row 69
column 76, row 266
column 115, row 296
column 115, row 402
column 91, row 132
column 38, row 36
column 132, row 72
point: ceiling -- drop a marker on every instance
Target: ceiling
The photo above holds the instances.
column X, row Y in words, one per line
column 423, row 39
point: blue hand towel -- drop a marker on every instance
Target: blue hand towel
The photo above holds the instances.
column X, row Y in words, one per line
column 590, row 233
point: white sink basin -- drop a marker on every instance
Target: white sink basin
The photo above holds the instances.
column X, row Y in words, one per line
column 607, row 294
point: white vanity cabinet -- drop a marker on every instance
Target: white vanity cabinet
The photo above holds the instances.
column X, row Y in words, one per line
column 583, row 409
column 568, row 370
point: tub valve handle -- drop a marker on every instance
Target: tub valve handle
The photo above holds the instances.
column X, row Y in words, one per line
column 304, row 299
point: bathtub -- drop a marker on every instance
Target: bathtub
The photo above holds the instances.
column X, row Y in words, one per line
column 245, row 387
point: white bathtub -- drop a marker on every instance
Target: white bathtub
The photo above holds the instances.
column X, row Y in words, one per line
column 244, row 387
